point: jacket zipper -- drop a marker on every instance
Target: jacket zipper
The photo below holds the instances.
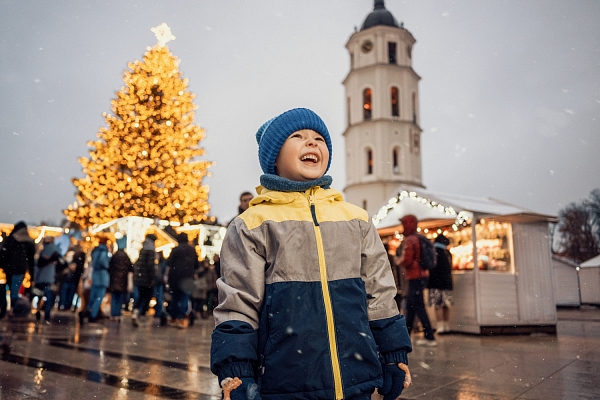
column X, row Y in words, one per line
column 335, row 362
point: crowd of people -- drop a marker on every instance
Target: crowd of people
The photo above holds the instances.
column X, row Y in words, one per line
column 182, row 286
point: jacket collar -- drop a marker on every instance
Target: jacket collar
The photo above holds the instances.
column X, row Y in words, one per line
column 276, row 197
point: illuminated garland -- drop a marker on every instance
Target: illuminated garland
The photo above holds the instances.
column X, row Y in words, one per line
column 460, row 218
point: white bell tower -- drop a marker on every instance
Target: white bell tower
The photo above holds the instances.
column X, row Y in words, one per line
column 382, row 136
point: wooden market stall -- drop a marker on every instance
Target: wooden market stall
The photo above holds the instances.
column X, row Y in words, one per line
column 511, row 290
column 589, row 280
column 566, row 282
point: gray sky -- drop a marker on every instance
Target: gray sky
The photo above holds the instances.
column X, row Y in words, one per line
column 510, row 90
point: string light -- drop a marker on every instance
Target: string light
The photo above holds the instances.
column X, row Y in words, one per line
column 147, row 159
column 461, row 218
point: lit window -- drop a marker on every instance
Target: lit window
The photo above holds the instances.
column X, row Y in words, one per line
column 395, row 102
column 367, row 107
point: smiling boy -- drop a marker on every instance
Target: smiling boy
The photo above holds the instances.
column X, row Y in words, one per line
column 306, row 302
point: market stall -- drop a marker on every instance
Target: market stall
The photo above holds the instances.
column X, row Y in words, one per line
column 511, row 289
column 589, row 279
column 566, row 282
column 207, row 239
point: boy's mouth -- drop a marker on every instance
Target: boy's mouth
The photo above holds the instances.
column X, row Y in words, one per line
column 310, row 158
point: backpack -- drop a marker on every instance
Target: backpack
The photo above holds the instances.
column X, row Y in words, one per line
column 427, row 259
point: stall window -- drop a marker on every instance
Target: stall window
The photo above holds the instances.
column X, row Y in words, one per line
column 367, row 107
column 494, row 247
column 369, row 154
column 396, row 160
column 395, row 102
column 392, row 52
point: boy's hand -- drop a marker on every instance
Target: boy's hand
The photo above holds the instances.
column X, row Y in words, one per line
column 396, row 377
column 240, row 389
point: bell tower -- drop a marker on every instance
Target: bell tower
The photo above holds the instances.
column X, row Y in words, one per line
column 382, row 136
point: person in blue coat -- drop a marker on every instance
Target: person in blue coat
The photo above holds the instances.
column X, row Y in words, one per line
column 100, row 279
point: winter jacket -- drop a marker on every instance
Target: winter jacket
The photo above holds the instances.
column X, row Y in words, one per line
column 100, row 261
column 45, row 270
column 79, row 261
column 118, row 268
column 182, row 263
column 144, row 269
column 410, row 250
column 306, row 299
column 17, row 256
column 440, row 277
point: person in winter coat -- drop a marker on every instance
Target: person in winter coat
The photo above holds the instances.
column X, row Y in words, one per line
column 17, row 257
column 181, row 265
column 306, row 298
column 143, row 278
column 159, row 289
column 45, row 276
column 410, row 257
column 440, row 283
column 100, row 279
column 118, row 268
column 75, row 258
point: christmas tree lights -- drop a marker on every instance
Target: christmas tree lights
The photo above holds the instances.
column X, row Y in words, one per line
column 146, row 162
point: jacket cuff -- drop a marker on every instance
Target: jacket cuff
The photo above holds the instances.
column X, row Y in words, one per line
column 236, row 369
column 394, row 357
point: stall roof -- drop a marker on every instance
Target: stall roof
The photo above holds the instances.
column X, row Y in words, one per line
column 592, row 262
column 436, row 209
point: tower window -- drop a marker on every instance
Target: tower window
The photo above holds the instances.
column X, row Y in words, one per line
column 365, row 205
column 396, row 160
column 369, row 162
column 414, row 107
column 395, row 102
column 367, row 107
column 348, row 110
column 392, row 52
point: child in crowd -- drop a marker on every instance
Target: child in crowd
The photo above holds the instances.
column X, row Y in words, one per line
column 306, row 299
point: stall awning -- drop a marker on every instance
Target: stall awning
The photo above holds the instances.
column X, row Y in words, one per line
column 436, row 209
column 592, row 262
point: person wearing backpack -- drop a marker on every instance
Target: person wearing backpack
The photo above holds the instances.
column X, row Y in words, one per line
column 411, row 259
column 440, row 284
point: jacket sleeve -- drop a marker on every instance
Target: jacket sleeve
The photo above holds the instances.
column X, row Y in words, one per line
column 30, row 258
column 387, row 326
column 377, row 275
column 241, row 292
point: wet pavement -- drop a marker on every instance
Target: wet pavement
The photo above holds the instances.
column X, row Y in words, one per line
column 116, row 361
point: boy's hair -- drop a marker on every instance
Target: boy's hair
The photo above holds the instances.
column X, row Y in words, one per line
column 273, row 133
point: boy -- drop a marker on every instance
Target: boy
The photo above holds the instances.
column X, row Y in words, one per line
column 306, row 297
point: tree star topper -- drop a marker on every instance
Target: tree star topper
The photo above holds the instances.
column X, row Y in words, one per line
column 163, row 34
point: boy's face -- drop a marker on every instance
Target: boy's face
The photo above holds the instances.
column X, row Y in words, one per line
column 303, row 157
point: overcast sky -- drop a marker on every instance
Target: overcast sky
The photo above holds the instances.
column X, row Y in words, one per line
column 510, row 90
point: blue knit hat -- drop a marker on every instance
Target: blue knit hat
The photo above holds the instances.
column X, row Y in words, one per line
column 271, row 136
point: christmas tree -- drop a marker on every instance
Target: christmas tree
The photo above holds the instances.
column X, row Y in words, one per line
column 146, row 161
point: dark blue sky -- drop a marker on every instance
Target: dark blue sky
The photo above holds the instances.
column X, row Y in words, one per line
column 510, row 90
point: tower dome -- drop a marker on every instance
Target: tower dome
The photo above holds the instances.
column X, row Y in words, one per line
column 379, row 16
